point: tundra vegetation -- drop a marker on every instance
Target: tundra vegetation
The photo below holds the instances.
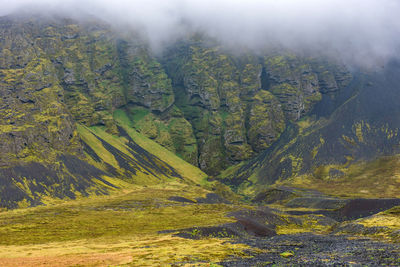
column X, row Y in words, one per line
column 111, row 155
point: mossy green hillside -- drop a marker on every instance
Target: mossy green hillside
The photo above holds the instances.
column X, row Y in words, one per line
column 184, row 169
column 106, row 163
column 122, row 159
column 62, row 73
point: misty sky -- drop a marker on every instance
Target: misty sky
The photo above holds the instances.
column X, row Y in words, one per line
column 362, row 31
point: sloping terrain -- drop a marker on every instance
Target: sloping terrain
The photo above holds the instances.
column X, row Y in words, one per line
column 345, row 146
column 108, row 162
column 60, row 83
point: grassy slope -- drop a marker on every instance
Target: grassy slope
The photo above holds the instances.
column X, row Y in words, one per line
column 189, row 173
column 376, row 179
column 187, row 170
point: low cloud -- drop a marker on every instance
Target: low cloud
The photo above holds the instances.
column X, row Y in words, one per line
column 358, row 31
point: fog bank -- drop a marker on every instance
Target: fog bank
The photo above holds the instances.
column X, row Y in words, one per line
column 359, row 31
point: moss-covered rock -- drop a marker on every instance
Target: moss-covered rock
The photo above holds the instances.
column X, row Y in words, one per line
column 341, row 148
column 212, row 107
column 241, row 103
column 295, row 84
column 35, row 125
column 147, row 83
column 56, row 74
column 266, row 121
column 170, row 129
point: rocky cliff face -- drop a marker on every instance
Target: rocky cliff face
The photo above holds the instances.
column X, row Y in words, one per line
column 55, row 71
column 212, row 107
column 239, row 105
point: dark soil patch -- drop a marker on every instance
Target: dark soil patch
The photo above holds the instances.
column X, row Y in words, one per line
column 255, row 228
column 251, row 223
column 342, row 209
column 357, row 208
column 261, row 215
column 274, row 195
column 317, row 203
column 212, row 198
column 181, row 199
column 241, row 228
column 360, row 208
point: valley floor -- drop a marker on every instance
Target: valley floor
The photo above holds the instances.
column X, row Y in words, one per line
column 180, row 225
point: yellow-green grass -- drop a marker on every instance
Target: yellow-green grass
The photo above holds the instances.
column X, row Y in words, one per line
column 307, row 224
column 188, row 171
column 89, row 138
column 141, row 211
column 389, row 219
column 376, row 179
column 117, row 229
column 148, row 250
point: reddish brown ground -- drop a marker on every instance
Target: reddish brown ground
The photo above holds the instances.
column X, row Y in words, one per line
column 101, row 259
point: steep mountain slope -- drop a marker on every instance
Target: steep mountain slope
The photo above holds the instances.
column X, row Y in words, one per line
column 337, row 144
column 57, row 79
